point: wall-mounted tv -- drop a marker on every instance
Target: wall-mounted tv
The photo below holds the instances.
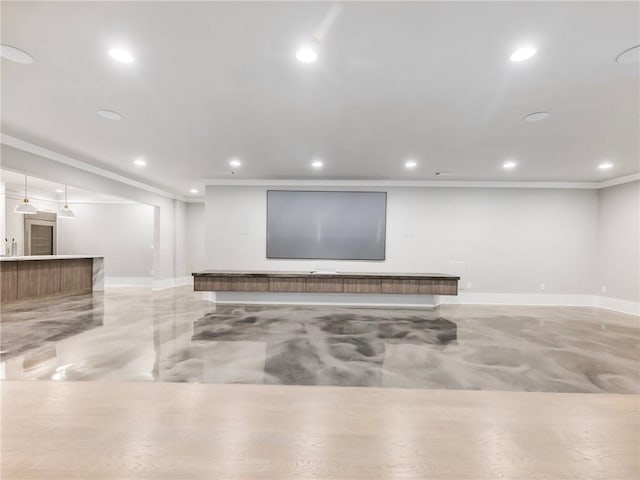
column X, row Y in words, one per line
column 334, row 225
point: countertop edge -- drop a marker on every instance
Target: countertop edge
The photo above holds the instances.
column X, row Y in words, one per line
column 282, row 274
column 26, row 258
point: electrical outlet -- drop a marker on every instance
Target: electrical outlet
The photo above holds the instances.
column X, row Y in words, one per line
column 603, row 289
column 468, row 285
column 542, row 286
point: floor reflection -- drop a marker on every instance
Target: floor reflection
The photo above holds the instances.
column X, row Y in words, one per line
column 179, row 337
column 30, row 328
column 307, row 346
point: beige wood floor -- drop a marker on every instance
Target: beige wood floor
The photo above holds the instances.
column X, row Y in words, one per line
column 91, row 430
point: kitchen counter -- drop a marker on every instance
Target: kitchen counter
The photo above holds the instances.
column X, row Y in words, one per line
column 26, row 277
column 6, row 258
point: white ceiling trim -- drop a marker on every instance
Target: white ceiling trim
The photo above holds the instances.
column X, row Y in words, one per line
column 619, row 181
column 57, row 157
column 20, row 196
column 72, row 162
column 39, row 198
column 424, row 183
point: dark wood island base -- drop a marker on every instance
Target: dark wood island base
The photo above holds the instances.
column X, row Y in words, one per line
column 44, row 275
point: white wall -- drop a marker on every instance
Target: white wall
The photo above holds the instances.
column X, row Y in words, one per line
column 196, row 259
column 2, row 219
column 14, row 222
column 180, row 235
column 168, row 262
column 123, row 233
column 619, row 241
column 511, row 240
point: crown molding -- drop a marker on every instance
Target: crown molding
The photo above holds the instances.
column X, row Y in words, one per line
column 619, row 181
column 72, row 162
column 57, row 157
column 421, row 183
column 16, row 195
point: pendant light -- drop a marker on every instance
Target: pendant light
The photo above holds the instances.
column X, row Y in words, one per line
column 25, row 207
column 66, row 211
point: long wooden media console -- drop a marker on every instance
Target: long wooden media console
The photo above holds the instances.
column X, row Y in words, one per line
column 325, row 282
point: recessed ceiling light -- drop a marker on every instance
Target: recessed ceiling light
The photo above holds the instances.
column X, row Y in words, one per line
column 631, row 55
column 15, row 55
column 605, row 166
column 306, row 55
column 121, row 55
column 194, row 190
column 317, row 164
column 139, row 162
column 509, row 164
column 59, row 190
column 522, row 53
column 110, row 114
column 410, row 164
column 235, row 162
column 536, row 116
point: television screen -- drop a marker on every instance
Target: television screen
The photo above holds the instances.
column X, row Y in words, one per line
column 326, row 225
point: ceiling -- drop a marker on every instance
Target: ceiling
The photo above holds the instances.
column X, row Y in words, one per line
column 394, row 80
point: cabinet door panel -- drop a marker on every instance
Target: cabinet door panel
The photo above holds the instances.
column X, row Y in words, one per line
column 38, row 277
column 283, row 284
column 362, row 285
column 391, row 285
column 212, row 284
column 76, row 275
column 9, row 279
column 325, row 285
column 250, row 284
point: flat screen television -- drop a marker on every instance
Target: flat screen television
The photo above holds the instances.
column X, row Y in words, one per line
column 332, row 225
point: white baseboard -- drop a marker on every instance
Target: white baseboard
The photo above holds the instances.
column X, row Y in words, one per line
column 184, row 281
column 171, row 282
column 127, row 282
column 550, row 299
column 624, row 306
column 148, row 282
column 469, row 298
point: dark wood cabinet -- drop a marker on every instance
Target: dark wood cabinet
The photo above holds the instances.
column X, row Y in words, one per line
column 36, row 278
column 226, row 281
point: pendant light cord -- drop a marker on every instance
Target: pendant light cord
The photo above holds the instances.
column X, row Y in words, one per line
column 26, row 197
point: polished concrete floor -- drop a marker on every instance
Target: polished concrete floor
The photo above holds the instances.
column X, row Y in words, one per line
column 176, row 336
column 131, row 415
column 135, row 430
